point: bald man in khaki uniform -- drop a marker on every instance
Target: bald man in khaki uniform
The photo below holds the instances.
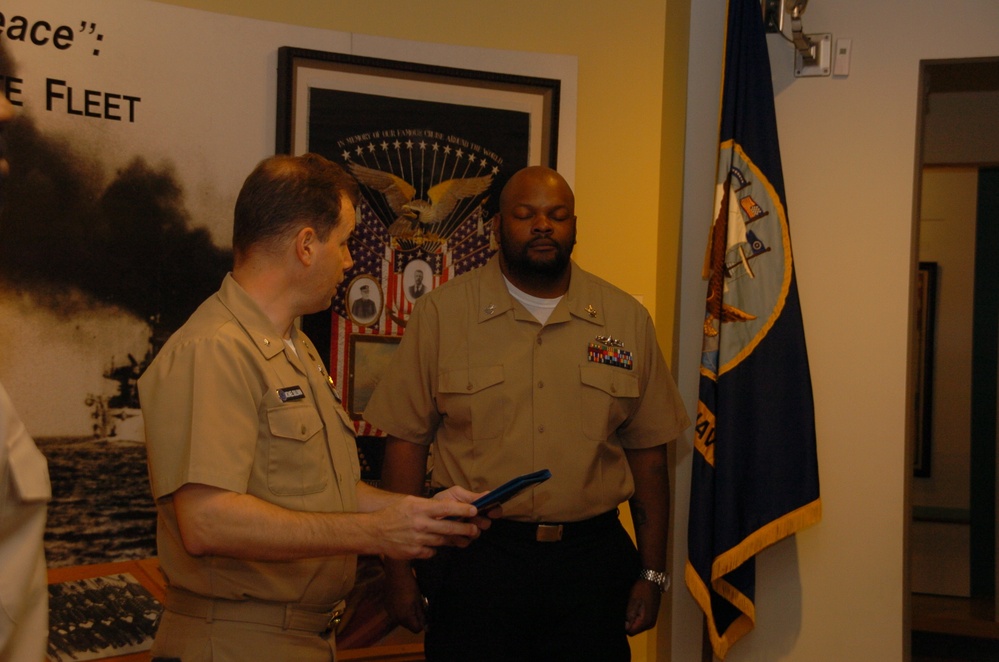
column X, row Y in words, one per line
column 252, row 460
column 525, row 364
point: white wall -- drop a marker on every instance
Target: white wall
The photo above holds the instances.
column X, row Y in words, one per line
column 838, row 590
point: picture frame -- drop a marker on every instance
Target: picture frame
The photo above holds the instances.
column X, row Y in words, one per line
column 924, row 334
column 416, row 280
column 369, row 358
column 364, row 300
column 419, row 123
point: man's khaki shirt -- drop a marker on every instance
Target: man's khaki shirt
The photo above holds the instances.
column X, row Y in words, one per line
column 228, row 404
column 500, row 395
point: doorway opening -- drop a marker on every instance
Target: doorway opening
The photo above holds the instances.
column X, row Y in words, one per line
column 956, row 365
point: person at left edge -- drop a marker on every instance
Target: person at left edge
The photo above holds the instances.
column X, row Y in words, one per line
column 252, row 461
column 24, row 494
column 25, row 491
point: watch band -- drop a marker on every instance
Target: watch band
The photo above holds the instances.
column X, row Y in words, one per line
column 660, row 579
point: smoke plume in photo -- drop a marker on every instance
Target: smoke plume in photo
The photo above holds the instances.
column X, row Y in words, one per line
column 66, row 230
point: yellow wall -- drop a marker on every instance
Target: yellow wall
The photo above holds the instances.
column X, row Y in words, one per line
column 626, row 142
column 620, row 47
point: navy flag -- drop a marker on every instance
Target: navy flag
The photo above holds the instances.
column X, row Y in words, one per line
column 755, row 475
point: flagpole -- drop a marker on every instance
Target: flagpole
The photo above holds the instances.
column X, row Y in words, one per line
column 754, row 474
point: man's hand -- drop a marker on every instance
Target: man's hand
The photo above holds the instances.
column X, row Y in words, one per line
column 481, row 520
column 643, row 607
column 412, row 527
column 403, row 599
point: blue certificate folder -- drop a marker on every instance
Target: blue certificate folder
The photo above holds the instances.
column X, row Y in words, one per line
column 510, row 489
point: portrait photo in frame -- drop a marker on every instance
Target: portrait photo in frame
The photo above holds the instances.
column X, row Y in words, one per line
column 364, row 300
column 416, row 278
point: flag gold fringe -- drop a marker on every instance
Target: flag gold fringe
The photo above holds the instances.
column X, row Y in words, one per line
column 766, row 535
column 720, row 644
column 752, row 545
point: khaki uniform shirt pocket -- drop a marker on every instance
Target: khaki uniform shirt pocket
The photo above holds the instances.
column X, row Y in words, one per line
column 608, row 397
column 296, row 450
column 476, row 410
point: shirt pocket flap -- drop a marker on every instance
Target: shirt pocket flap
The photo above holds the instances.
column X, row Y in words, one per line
column 614, row 382
column 471, row 380
column 299, row 422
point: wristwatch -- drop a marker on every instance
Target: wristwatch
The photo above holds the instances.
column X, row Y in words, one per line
column 660, row 579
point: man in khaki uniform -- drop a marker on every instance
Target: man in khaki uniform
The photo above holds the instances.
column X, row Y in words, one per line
column 531, row 363
column 24, row 494
column 252, row 459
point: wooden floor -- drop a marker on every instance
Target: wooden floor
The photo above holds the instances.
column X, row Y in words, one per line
column 948, row 629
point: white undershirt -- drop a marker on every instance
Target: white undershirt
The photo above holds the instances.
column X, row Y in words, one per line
column 540, row 308
column 291, row 345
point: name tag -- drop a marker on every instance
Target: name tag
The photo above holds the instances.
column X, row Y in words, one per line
column 291, row 393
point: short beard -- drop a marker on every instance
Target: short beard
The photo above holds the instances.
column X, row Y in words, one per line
column 525, row 269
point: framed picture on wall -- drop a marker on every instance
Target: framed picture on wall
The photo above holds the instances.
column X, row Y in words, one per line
column 925, row 326
column 369, row 358
column 430, row 147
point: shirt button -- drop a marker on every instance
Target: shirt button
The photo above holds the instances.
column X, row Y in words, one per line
column 539, row 340
column 469, row 387
column 541, row 384
column 541, row 428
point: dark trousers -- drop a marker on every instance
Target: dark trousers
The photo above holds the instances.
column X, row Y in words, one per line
column 508, row 597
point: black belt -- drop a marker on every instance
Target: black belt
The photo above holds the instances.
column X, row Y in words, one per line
column 321, row 619
column 553, row 531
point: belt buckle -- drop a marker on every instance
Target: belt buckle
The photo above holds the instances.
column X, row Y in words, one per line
column 548, row 533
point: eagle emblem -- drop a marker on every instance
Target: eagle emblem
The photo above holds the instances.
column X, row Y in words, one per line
column 413, row 214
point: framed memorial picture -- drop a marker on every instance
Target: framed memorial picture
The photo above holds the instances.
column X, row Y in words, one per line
column 369, row 358
column 430, row 147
